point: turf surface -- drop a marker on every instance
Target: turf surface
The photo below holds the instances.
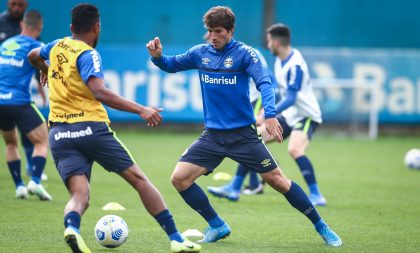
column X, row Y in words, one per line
column 373, row 201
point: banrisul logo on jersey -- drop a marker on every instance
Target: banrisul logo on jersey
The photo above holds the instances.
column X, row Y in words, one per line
column 228, row 63
column 217, row 80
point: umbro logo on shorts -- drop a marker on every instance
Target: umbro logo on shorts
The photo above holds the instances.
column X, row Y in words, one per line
column 266, row 162
column 73, row 135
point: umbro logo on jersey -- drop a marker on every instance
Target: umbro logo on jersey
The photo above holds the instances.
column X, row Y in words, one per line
column 228, row 63
column 266, row 162
column 205, row 61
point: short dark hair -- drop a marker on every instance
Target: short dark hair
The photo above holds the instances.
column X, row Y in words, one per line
column 33, row 19
column 84, row 17
column 220, row 16
column 281, row 32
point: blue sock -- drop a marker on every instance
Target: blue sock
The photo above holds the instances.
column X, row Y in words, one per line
column 195, row 197
column 72, row 219
column 238, row 179
column 38, row 168
column 14, row 168
column 298, row 199
column 314, row 189
column 254, row 181
column 29, row 149
column 167, row 223
column 306, row 169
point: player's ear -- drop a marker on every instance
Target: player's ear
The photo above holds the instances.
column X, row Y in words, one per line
column 71, row 28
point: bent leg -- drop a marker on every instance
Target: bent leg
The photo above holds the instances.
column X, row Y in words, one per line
column 183, row 179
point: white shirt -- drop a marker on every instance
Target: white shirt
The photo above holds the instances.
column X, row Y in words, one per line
column 306, row 104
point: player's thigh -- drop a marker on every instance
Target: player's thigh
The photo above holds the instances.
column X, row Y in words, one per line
column 39, row 134
column 104, row 147
column 10, row 137
column 250, row 150
column 68, row 158
column 206, row 152
column 29, row 118
column 298, row 140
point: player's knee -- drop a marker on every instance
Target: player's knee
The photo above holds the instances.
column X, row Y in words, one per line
column 179, row 183
column 295, row 151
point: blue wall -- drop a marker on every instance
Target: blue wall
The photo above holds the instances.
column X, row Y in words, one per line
column 328, row 23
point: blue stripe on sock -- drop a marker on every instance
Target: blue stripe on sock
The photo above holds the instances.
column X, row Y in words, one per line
column 72, row 219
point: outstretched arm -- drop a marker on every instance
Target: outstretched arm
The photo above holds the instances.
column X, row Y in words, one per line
column 150, row 114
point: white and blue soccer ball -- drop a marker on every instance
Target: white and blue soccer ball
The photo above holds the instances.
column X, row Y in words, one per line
column 111, row 231
column 412, row 159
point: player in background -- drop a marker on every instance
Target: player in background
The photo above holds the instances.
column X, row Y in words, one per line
column 298, row 113
column 299, row 108
column 16, row 108
column 79, row 127
column 10, row 21
column 225, row 66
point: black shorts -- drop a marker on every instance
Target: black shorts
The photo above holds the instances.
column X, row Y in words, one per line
column 76, row 146
column 307, row 125
column 243, row 145
column 26, row 117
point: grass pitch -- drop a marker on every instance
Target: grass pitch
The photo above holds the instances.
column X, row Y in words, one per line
column 373, row 201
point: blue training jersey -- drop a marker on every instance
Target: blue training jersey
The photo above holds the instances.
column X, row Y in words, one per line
column 15, row 70
column 224, row 77
column 89, row 63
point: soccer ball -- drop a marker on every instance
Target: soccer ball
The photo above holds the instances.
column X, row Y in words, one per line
column 412, row 159
column 111, row 231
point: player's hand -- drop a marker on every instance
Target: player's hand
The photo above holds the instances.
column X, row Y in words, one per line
column 43, row 78
column 274, row 129
column 155, row 47
column 151, row 115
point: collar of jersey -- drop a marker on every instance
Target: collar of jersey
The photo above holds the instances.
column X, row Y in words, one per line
column 287, row 59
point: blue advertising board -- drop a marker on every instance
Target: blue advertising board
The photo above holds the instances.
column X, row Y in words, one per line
column 130, row 73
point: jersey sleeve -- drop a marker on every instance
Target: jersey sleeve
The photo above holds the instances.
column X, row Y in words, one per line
column 294, row 78
column 89, row 64
column 45, row 49
column 176, row 63
column 263, row 82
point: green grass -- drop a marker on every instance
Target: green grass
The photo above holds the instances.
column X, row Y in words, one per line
column 373, row 201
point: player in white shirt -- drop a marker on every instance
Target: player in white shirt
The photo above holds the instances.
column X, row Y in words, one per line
column 298, row 111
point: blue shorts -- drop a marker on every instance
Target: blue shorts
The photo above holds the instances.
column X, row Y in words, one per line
column 243, row 145
column 76, row 146
column 306, row 125
column 25, row 117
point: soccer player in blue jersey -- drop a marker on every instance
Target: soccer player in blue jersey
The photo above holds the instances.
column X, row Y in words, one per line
column 16, row 108
column 298, row 112
column 10, row 26
column 80, row 132
column 225, row 66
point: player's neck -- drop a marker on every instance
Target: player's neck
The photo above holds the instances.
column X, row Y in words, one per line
column 30, row 33
column 285, row 53
column 85, row 38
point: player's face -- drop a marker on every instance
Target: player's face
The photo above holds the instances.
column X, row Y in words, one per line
column 17, row 7
column 219, row 36
column 273, row 44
